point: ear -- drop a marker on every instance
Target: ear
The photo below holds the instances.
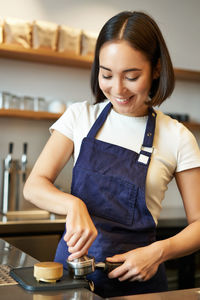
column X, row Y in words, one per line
column 156, row 71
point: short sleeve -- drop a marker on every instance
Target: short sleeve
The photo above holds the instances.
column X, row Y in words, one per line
column 65, row 124
column 188, row 151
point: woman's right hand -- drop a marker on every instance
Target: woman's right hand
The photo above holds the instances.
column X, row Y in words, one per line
column 80, row 230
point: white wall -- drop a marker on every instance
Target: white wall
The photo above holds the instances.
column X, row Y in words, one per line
column 179, row 22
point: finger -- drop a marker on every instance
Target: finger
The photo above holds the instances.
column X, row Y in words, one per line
column 116, row 258
column 139, row 278
column 68, row 235
column 73, row 240
column 128, row 276
column 78, row 246
column 131, row 273
column 82, row 242
column 117, row 272
column 77, row 254
column 80, row 252
column 82, row 245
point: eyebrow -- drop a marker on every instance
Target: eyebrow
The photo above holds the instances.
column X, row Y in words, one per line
column 124, row 71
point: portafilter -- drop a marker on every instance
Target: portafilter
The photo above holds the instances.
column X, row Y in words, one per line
column 80, row 267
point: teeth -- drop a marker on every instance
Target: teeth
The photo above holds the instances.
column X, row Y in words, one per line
column 121, row 100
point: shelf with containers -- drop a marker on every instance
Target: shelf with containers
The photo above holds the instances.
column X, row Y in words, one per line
column 64, row 59
column 45, row 56
column 29, row 114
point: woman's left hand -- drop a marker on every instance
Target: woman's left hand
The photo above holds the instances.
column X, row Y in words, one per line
column 138, row 264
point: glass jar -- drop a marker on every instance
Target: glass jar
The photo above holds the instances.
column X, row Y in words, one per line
column 39, row 104
column 1, row 100
column 15, row 102
column 27, row 103
column 6, row 100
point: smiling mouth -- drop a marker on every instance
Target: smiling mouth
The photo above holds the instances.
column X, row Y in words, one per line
column 122, row 100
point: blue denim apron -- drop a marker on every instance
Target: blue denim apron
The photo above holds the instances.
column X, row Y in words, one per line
column 111, row 181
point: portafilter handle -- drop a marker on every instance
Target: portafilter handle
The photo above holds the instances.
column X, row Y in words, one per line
column 108, row 266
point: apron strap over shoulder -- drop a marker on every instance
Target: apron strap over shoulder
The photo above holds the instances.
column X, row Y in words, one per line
column 100, row 121
column 150, row 129
column 147, row 146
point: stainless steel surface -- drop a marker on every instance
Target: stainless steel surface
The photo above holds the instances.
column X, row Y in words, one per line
column 6, row 293
column 42, row 247
column 35, row 232
column 21, row 203
column 24, row 162
column 13, row 257
column 9, row 191
column 5, row 278
column 37, row 235
column 13, row 173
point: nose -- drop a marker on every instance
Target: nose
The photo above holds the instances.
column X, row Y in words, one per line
column 119, row 88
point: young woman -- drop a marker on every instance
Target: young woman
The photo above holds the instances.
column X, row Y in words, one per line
column 125, row 154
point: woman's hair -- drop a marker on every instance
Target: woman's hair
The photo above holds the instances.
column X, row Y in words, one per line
column 143, row 34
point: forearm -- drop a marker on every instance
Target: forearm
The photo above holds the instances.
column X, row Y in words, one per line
column 184, row 243
column 42, row 193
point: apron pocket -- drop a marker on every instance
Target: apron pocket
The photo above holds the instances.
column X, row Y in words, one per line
column 105, row 196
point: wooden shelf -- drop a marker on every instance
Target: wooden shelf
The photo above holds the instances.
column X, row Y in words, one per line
column 68, row 59
column 43, row 115
column 187, row 74
column 28, row 114
column 45, row 56
column 192, row 125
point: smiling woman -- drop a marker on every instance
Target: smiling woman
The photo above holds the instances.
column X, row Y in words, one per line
column 123, row 163
column 143, row 35
column 127, row 83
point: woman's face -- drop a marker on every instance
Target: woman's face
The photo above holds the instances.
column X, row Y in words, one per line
column 125, row 78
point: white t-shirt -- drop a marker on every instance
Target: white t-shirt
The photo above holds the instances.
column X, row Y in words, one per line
column 175, row 148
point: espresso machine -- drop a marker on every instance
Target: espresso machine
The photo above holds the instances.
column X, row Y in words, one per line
column 13, row 173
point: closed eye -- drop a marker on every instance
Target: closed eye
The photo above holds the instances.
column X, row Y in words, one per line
column 107, row 77
column 132, row 79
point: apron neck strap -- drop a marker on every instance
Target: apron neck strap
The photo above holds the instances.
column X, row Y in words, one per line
column 147, row 146
column 150, row 129
column 100, row 121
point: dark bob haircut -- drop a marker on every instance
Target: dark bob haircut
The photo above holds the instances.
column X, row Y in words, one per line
column 144, row 35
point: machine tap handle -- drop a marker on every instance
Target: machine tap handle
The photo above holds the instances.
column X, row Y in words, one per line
column 25, row 145
column 10, row 148
column 24, row 161
column 8, row 159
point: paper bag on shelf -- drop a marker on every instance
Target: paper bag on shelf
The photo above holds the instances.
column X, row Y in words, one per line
column 88, row 42
column 44, row 35
column 69, row 39
column 17, row 32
